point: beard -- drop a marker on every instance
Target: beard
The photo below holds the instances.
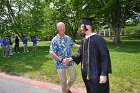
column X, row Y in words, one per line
column 83, row 34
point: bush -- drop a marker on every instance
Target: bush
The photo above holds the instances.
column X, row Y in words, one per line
column 133, row 31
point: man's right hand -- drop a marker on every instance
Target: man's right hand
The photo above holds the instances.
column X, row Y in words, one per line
column 67, row 60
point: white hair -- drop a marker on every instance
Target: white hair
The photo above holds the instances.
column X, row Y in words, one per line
column 60, row 23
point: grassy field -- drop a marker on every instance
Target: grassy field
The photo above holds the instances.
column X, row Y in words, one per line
column 40, row 66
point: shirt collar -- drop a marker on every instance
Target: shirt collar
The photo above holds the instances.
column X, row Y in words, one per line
column 90, row 35
column 60, row 36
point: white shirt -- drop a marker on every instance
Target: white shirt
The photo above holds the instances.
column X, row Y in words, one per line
column 90, row 35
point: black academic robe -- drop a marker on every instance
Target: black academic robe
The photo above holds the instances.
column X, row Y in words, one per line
column 95, row 62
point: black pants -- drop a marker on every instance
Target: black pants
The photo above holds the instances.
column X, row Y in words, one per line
column 93, row 85
column 16, row 48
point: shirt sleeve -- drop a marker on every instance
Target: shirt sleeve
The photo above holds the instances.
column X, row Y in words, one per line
column 72, row 44
column 53, row 47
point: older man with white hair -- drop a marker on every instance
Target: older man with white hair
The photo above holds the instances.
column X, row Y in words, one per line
column 60, row 49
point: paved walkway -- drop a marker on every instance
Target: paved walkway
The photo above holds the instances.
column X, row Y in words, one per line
column 15, row 84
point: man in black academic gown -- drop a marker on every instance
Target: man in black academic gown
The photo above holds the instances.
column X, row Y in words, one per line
column 95, row 60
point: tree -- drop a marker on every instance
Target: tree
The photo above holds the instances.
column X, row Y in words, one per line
column 133, row 29
column 117, row 12
column 113, row 13
column 24, row 17
column 68, row 12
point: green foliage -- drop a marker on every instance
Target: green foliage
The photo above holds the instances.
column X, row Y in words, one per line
column 39, row 17
column 68, row 13
column 133, row 31
column 48, row 28
column 115, row 13
column 23, row 17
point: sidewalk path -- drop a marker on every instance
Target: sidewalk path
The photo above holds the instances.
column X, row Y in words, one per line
column 15, row 84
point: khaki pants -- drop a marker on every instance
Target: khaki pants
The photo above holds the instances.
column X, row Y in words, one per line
column 26, row 48
column 10, row 50
column 66, row 84
column 3, row 51
column 7, row 50
column 34, row 47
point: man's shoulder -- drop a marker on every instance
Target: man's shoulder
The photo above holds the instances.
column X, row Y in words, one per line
column 55, row 38
column 67, row 37
column 97, row 36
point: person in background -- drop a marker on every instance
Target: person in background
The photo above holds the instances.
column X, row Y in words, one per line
column 60, row 48
column 10, row 46
column 34, row 40
column 3, row 45
column 25, row 43
column 0, row 42
column 16, row 47
column 7, row 40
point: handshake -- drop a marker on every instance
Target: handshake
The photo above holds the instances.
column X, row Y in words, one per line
column 67, row 60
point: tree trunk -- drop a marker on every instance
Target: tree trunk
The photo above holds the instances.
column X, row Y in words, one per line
column 73, row 36
column 116, row 21
column 117, row 39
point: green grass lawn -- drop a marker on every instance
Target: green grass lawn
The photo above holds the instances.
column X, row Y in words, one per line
column 40, row 66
